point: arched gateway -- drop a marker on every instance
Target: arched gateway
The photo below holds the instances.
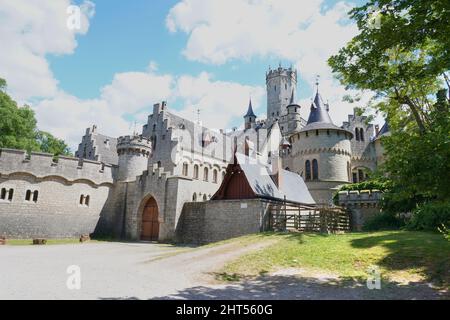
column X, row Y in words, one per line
column 150, row 222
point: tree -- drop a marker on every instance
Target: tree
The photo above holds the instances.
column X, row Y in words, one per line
column 403, row 58
column 18, row 128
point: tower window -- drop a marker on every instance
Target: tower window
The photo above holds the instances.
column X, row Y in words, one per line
column 194, row 197
column 205, row 174
column 275, row 88
column 28, row 195
column 308, row 170
column 35, row 195
column 357, row 134
column 215, row 176
column 315, row 170
column 361, row 134
column 185, row 169
column 10, row 194
column 3, row 194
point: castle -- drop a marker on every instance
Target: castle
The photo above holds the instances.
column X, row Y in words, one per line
column 135, row 187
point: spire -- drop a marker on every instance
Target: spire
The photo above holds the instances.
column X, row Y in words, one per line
column 319, row 110
column 250, row 112
column 292, row 97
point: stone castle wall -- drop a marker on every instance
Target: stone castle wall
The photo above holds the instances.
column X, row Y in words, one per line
column 213, row 221
column 363, row 205
column 58, row 211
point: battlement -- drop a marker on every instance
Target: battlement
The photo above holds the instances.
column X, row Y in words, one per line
column 134, row 143
column 361, row 198
column 287, row 72
column 42, row 165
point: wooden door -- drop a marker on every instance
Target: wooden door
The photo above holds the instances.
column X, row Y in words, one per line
column 150, row 223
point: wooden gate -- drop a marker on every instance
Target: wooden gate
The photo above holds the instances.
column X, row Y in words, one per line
column 150, row 222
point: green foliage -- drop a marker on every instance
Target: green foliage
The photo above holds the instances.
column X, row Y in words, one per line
column 430, row 216
column 384, row 221
column 368, row 185
column 445, row 231
column 50, row 144
column 18, row 128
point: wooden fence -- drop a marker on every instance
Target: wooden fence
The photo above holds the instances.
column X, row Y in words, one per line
column 323, row 220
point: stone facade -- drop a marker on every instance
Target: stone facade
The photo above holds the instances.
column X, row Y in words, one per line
column 176, row 162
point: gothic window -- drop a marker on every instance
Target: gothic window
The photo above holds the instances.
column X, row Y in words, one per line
column 361, row 134
column 357, row 134
column 308, row 170
column 315, row 169
column 185, row 169
column 215, row 176
column 349, row 171
column 205, row 174
column 196, row 172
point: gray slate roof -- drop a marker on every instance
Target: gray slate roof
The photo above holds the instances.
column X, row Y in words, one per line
column 259, row 177
column 250, row 112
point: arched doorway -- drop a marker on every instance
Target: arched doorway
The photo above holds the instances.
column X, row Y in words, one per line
column 150, row 222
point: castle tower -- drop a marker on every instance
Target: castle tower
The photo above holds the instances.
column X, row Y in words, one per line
column 133, row 152
column 322, row 153
column 280, row 84
column 250, row 117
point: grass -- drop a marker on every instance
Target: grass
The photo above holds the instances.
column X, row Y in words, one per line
column 400, row 256
column 26, row 242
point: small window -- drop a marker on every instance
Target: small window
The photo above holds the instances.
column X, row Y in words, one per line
column 3, row 194
column 86, row 201
column 361, row 175
column 185, row 169
column 357, row 134
column 205, row 197
column 317, row 132
column 307, row 134
column 194, row 197
column 223, row 175
column 205, row 174
column 328, row 132
column 361, row 134
column 196, row 172
column 28, row 195
column 35, row 196
column 215, row 176
column 354, row 177
column 10, row 194
column 81, row 199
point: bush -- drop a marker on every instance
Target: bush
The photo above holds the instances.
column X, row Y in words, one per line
column 383, row 221
column 430, row 216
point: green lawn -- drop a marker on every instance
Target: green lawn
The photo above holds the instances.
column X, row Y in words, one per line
column 400, row 255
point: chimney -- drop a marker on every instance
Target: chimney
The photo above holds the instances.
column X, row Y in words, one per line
column 377, row 129
column 276, row 169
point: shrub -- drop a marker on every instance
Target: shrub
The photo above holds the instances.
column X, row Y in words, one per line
column 384, row 221
column 430, row 216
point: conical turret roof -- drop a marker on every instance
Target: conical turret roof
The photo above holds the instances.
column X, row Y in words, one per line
column 250, row 112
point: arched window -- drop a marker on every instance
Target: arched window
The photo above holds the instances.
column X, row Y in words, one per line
column 349, row 172
column 185, row 169
column 3, row 194
column 361, row 134
column 35, row 196
column 215, row 176
column 205, row 174
column 196, row 172
column 360, row 175
column 357, row 134
column 86, row 201
column 246, row 146
column 308, row 170
column 82, row 199
column 205, row 197
column 28, row 195
column 194, row 197
column 315, row 169
column 10, row 194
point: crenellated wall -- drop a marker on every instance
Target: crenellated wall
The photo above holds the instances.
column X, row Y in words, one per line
column 363, row 204
column 70, row 195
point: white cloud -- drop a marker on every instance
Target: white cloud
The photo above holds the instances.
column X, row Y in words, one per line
column 305, row 32
column 30, row 30
column 219, row 101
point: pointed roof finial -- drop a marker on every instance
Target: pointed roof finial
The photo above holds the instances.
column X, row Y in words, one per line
column 317, row 82
column 250, row 112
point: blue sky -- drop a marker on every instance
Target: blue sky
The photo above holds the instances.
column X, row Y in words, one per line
column 211, row 55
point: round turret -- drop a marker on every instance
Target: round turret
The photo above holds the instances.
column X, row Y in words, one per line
column 133, row 152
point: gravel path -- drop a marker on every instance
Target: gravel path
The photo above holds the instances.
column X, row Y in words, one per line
column 159, row 271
